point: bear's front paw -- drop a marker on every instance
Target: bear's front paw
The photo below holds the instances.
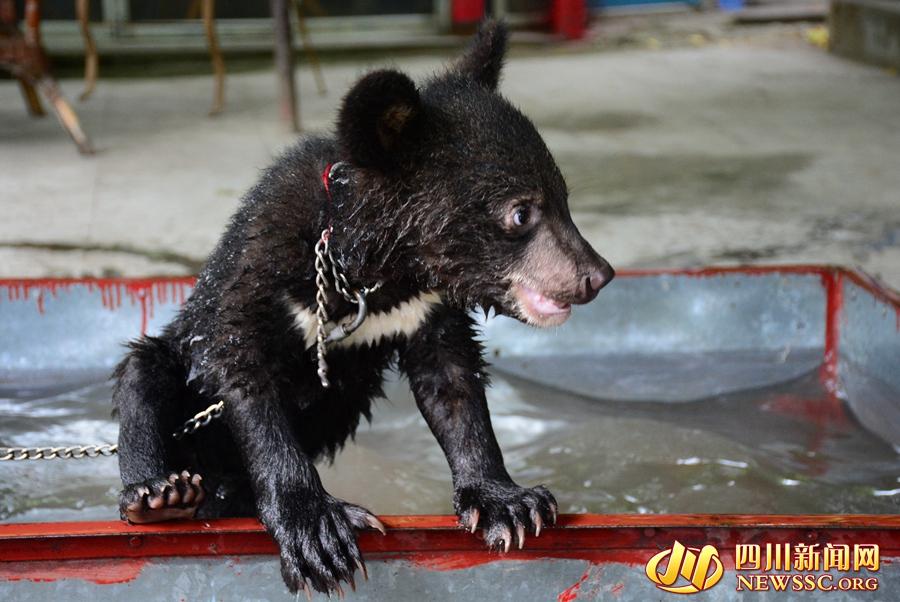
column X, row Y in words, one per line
column 319, row 549
column 504, row 511
column 163, row 498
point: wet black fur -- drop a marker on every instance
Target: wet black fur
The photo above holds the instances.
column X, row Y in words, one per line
column 419, row 206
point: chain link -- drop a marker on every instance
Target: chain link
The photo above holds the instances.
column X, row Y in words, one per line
column 74, row 452
column 15, row 454
column 325, row 262
column 200, row 420
column 340, row 280
column 322, row 252
column 341, row 284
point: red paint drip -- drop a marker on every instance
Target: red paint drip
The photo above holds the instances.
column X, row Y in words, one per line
column 833, row 283
column 822, row 413
column 617, row 589
column 817, row 410
column 101, row 572
column 144, row 293
column 571, row 592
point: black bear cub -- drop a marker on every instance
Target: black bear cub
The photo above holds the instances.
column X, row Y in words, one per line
column 433, row 200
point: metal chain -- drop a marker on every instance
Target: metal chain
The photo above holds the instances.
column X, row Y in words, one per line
column 200, row 419
column 322, row 251
column 49, row 453
column 340, row 280
column 74, row 452
column 325, row 262
column 341, row 284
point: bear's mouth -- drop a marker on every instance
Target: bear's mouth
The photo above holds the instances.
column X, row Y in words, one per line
column 539, row 309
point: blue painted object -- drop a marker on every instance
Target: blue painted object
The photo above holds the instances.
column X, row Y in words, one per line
column 601, row 4
column 731, row 5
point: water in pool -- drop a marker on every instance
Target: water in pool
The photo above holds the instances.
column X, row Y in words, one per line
column 772, row 450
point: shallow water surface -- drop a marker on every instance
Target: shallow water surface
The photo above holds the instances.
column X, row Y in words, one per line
column 782, row 449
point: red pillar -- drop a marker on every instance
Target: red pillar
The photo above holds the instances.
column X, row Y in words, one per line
column 568, row 18
column 466, row 12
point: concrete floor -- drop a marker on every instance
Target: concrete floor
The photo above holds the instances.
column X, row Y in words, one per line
column 743, row 152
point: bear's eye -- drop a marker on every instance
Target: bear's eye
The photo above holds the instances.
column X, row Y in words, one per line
column 521, row 215
column 521, row 218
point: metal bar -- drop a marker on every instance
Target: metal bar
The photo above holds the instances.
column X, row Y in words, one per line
column 83, row 12
column 803, row 269
column 500, row 8
column 582, row 535
column 117, row 14
column 284, row 63
column 441, row 16
column 215, row 56
column 870, row 284
column 311, row 55
column 864, row 281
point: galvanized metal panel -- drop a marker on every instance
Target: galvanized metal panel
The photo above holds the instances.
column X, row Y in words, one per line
column 674, row 337
column 684, row 313
column 869, row 365
column 57, row 326
column 869, row 334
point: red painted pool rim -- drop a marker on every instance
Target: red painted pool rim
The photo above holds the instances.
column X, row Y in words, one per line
column 856, row 276
column 611, row 538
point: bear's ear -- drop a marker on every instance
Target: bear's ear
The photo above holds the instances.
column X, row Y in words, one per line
column 483, row 60
column 376, row 117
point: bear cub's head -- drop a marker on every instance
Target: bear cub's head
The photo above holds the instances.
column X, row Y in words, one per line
column 456, row 190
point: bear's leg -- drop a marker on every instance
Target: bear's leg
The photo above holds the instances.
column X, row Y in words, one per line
column 149, row 385
column 314, row 530
column 446, row 373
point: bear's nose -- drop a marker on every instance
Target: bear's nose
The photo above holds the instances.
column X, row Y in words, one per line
column 595, row 281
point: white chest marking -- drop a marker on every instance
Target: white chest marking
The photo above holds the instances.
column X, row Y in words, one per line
column 405, row 319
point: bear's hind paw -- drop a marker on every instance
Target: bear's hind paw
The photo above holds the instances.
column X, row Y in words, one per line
column 176, row 497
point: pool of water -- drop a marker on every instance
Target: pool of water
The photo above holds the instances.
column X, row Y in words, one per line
column 785, row 448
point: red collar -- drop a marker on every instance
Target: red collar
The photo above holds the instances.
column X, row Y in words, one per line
column 326, row 181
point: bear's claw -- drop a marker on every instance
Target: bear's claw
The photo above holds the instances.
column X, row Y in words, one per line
column 504, row 511
column 320, row 551
column 175, row 497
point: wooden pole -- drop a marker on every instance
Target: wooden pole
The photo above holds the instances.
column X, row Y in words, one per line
column 284, row 63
